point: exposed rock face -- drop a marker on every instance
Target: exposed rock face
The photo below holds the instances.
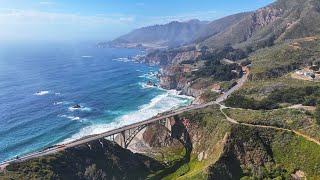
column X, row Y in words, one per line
column 171, row 78
column 169, row 57
column 280, row 21
column 157, row 136
column 168, row 82
column 185, row 56
column 263, row 17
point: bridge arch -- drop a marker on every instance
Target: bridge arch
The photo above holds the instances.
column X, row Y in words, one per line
column 125, row 137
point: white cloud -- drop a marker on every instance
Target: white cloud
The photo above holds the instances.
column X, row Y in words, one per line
column 16, row 16
column 31, row 24
column 47, row 3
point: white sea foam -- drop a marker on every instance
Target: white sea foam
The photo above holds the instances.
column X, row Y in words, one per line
column 62, row 103
column 57, row 94
column 161, row 103
column 150, row 75
column 147, row 76
column 122, row 59
column 41, row 93
column 86, row 56
column 74, row 118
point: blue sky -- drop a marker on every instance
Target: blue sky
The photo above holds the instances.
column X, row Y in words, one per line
column 104, row 19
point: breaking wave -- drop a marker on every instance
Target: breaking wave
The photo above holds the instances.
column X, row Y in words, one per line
column 167, row 101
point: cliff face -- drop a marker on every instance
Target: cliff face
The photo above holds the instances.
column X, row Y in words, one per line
column 172, row 78
column 170, row 57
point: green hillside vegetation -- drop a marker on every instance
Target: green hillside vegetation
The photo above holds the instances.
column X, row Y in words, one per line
column 216, row 70
column 109, row 162
column 283, row 58
column 295, row 119
column 259, row 89
column 209, row 96
column 268, row 154
column 308, row 96
column 249, row 153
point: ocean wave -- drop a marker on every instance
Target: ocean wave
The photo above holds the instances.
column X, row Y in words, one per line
column 150, row 75
column 74, row 118
column 41, row 93
column 122, row 59
column 167, row 101
column 62, row 103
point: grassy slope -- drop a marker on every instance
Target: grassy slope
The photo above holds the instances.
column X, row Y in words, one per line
column 259, row 89
column 297, row 153
column 278, row 57
column 286, row 118
column 270, row 66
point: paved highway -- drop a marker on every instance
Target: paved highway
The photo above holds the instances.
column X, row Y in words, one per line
column 87, row 139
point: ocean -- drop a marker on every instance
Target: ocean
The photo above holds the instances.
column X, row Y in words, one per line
column 40, row 83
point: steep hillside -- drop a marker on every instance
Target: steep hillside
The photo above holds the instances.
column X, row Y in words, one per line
column 221, row 150
column 93, row 161
column 277, row 22
column 218, row 25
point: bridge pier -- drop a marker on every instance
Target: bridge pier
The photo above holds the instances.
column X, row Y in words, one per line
column 124, row 138
column 167, row 124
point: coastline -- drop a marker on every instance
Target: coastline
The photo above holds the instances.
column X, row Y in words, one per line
column 175, row 100
column 63, row 122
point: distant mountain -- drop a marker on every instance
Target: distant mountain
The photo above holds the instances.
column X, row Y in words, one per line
column 172, row 34
column 279, row 21
column 217, row 26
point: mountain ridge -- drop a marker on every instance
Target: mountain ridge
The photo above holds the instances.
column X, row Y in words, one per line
column 276, row 22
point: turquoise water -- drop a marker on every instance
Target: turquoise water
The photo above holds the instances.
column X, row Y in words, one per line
column 40, row 83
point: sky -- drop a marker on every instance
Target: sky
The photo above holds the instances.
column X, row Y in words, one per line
column 100, row 20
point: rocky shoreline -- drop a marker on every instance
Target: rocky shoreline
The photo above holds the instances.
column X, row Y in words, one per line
column 172, row 68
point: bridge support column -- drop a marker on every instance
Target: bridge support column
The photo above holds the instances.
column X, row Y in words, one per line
column 168, row 124
column 122, row 139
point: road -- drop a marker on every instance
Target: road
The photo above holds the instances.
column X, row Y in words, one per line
column 85, row 140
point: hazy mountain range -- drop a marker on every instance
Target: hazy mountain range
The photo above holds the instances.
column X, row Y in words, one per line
column 278, row 21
